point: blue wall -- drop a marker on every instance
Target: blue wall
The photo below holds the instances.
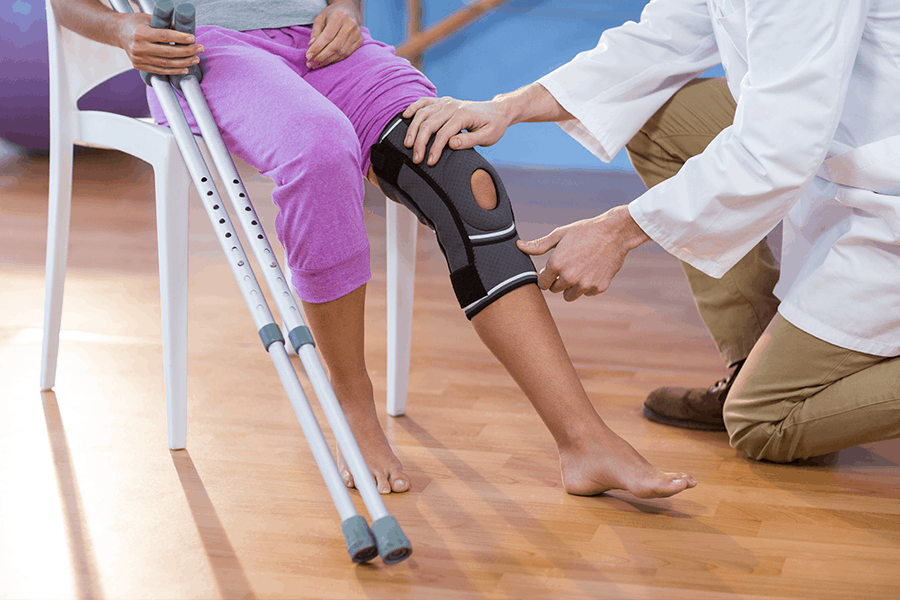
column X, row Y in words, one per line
column 507, row 49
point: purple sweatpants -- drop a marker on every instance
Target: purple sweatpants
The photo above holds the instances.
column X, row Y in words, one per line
column 310, row 131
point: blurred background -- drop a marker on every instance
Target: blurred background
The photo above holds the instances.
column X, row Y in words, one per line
column 512, row 46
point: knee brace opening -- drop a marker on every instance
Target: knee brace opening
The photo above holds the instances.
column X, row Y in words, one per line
column 452, row 198
column 484, row 189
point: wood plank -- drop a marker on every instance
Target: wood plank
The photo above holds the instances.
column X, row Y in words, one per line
column 92, row 495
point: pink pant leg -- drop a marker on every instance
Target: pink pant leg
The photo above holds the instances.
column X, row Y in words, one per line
column 275, row 121
column 310, row 131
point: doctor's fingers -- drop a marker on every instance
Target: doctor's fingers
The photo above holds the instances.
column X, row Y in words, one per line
column 573, row 288
column 547, row 277
column 429, row 118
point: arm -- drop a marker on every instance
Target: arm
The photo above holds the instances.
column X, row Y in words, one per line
column 485, row 122
column 335, row 33
column 721, row 203
column 617, row 85
column 149, row 49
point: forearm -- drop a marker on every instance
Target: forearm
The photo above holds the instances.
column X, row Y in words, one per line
column 352, row 5
column 531, row 104
column 89, row 18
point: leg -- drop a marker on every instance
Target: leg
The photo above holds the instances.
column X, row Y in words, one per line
column 735, row 308
column 801, row 397
column 339, row 329
column 311, row 151
column 513, row 320
column 520, row 332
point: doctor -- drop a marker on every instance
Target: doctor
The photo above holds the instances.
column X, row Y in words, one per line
column 804, row 129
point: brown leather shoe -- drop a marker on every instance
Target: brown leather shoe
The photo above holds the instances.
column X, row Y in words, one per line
column 691, row 408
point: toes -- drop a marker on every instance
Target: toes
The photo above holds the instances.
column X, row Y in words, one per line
column 348, row 479
column 388, row 482
column 399, row 483
column 382, row 482
column 673, row 485
column 690, row 481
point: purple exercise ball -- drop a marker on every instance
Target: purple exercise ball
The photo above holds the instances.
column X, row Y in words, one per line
column 25, row 76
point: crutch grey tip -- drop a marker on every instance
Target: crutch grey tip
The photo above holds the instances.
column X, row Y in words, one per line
column 393, row 545
column 360, row 541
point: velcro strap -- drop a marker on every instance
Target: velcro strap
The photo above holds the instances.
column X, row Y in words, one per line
column 467, row 285
column 387, row 162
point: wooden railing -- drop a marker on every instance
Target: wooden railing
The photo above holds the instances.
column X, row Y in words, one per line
column 418, row 41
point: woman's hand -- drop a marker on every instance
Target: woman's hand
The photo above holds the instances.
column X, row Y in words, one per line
column 151, row 50
column 445, row 118
column 335, row 34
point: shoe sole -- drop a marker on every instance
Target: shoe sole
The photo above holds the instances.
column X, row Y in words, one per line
column 681, row 423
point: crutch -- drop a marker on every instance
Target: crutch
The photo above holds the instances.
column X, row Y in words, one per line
column 385, row 537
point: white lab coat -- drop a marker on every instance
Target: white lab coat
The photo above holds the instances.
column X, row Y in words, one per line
column 818, row 91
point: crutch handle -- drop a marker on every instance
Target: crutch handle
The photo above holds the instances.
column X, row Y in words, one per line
column 185, row 21
column 162, row 14
column 161, row 19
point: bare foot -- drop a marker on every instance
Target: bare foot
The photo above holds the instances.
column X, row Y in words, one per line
column 381, row 460
column 607, row 462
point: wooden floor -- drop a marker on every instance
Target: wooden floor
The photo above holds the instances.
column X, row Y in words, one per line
column 94, row 505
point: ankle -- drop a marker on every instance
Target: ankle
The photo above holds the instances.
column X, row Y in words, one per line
column 353, row 392
column 580, row 436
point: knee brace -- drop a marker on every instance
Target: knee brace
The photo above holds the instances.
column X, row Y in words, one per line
column 479, row 244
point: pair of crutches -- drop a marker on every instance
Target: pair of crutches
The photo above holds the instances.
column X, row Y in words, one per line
column 385, row 538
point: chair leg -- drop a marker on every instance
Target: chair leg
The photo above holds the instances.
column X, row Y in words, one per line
column 60, row 209
column 172, row 188
column 402, row 227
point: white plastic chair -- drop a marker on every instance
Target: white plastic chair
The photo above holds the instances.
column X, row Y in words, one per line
column 77, row 65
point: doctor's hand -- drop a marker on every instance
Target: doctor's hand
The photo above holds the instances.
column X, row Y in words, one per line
column 445, row 118
column 335, row 34
column 588, row 253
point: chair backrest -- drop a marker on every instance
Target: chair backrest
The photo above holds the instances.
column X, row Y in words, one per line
column 78, row 64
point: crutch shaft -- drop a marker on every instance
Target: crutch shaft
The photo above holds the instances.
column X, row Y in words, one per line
column 284, row 300
column 314, row 437
column 391, row 543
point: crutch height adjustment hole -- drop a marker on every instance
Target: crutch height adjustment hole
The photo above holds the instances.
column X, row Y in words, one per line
column 240, row 263
column 228, row 235
column 221, row 220
column 247, row 208
column 254, row 223
column 242, row 195
column 260, row 236
column 209, row 193
column 204, row 179
column 215, row 207
column 235, row 181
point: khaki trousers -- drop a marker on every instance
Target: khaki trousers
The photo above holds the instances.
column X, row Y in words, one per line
column 796, row 396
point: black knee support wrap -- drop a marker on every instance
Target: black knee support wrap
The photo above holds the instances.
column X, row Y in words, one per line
column 479, row 244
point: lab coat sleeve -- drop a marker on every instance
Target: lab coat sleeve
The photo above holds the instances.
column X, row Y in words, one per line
column 613, row 89
column 800, row 57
